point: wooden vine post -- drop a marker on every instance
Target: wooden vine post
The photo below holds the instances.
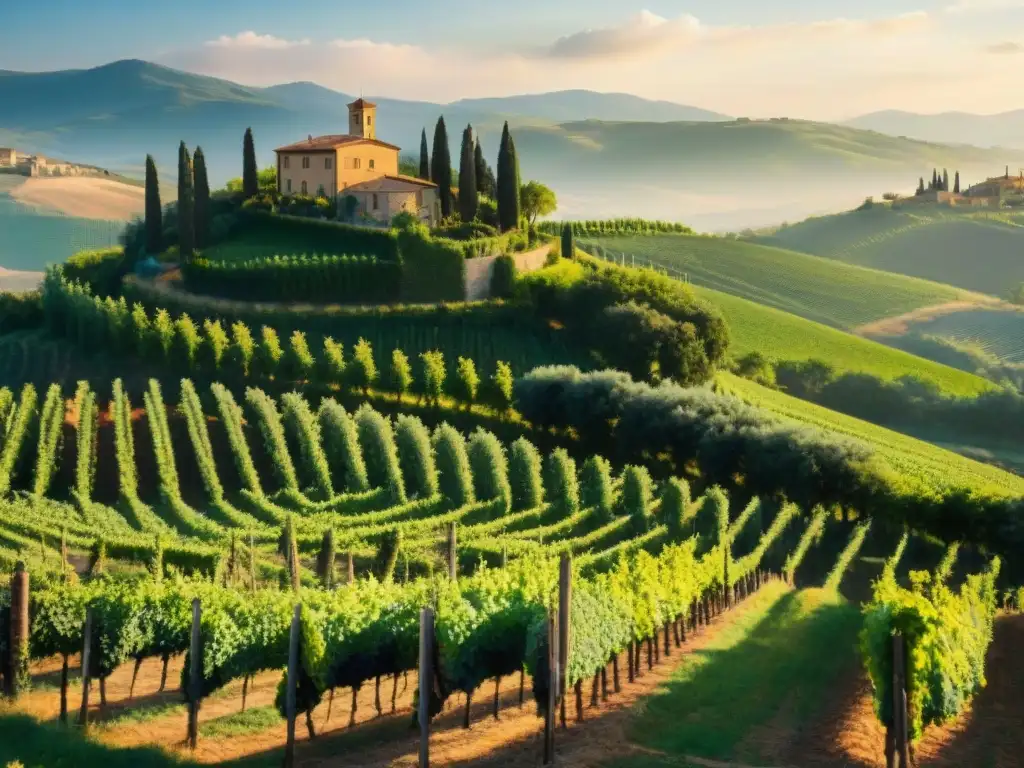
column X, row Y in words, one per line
column 453, row 558
column 83, row 712
column 292, row 681
column 195, row 675
column 900, row 725
column 351, row 570
column 17, row 662
column 564, row 601
column 554, row 650
column 426, row 682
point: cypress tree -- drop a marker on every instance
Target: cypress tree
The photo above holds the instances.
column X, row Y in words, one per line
column 484, row 174
column 250, row 177
column 956, row 183
column 945, row 180
column 508, row 183
column 441, row 167
column 568, row 242
column 920, row 185
column 424, row 157
column 154, row 211
column 935, row 179
column 468, row 196
column 518, row 186
column 202, row 199
column 186, row 207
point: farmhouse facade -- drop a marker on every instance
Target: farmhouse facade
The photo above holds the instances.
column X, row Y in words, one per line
column 357, row 165
column 8, row 157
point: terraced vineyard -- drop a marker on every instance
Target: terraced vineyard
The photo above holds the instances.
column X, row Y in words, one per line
column 972, row 250
column 814, row 288
column 918, row 462
column 999, row 333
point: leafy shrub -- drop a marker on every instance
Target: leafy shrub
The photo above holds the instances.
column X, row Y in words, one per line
column 432, row 381
column 596, row 487
column 524, row 469
column 489, row 467
column 675, row 501
column 416, row 456
column 454, row 474
column 503, row 278
column 377, row 440
column 467, row 381
column 560, row 484
column 637, row 492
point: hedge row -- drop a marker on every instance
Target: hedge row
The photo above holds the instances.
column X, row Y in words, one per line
column 315, row 278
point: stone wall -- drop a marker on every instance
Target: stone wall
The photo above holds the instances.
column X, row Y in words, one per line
column 479, row 271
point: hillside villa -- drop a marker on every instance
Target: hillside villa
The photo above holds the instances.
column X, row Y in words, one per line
column 359, row 165
column 990, row 193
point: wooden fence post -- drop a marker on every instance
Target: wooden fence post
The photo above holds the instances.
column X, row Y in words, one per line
column 195, row 675
column 453, row 557
column 83, row 712
column 564, row 601
column 426, row 682
column 351, row 572
column 554, row 676
column 290, row 705
column 18, row 653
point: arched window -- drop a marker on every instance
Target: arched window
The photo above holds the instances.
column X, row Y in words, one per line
column 305, row 189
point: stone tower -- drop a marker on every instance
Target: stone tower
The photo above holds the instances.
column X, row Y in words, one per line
column 362, row 119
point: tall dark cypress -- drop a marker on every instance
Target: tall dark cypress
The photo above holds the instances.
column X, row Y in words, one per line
column 441, row 167
column 424, row 157
column 956, row 183
column 484, row 174
column 250, row 175
column 568, row 242
column 507, row 193
column 468, row 195
column 154, row 211
column 518, row 186
column 920, row 185
column 945, row 180
column 186, row 207
column 202, row 199
column 935, row 179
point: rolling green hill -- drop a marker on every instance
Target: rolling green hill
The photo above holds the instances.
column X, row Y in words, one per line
column 919, row 464
column 814, row 288
column 979, row 251
column 781, row 336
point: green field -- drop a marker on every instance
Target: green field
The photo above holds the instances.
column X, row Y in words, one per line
column 922, row 466
column 817, row 289
column 977, row 250
column 781, row 336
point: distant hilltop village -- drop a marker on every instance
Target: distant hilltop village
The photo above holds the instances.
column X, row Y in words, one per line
column 34, row 165
column 994, row 192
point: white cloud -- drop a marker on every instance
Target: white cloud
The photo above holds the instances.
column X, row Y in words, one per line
column 648, row 34
column 1007, row 47
column 979, row 6
column 251, row 40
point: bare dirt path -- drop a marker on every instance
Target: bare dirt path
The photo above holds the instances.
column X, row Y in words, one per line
column 900, row 324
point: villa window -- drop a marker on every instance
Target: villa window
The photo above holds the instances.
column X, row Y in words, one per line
column 305, row 162
column 288, row 185
column 328, row 163
column 286, row 161
column 357, row 163
column 305, row 189
column 372, row 164
column 375, row 204
column 369, row 119
column 419, row 199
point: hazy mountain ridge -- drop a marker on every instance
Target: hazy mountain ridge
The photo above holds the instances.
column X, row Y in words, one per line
column 1005, row 129
column 714, row 174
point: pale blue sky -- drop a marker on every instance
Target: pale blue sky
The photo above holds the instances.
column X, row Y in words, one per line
column 806, row 58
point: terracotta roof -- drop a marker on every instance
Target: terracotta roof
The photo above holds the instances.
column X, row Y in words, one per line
column 391, row 184
column 329, row 142
column 362, row 103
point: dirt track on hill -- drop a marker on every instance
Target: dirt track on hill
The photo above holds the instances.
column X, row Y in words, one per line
column 900, row 324
column 82, row 196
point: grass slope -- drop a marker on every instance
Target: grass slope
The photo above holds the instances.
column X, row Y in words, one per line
column 977, row 250
column 762, row 677
column 817, row 289
column 781, row 336
column 996, row 333
column 919, row 465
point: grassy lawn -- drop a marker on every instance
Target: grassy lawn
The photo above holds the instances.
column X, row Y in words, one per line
column 771, row 670
column 784, row 336
column 823, row 290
